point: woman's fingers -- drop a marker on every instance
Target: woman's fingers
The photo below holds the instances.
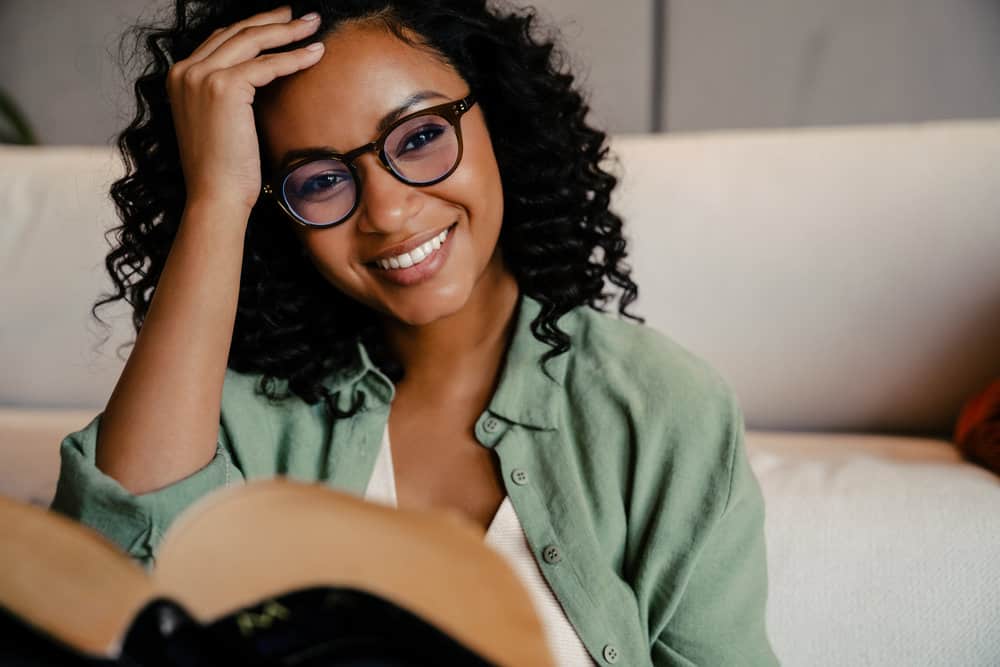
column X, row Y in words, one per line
column 221, row 35
column 265, row 69
column 260, row 71
column 249, row 42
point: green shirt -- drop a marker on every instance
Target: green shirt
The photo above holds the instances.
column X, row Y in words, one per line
column 627, row 468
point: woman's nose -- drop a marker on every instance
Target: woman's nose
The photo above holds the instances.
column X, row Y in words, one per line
column 386, row 204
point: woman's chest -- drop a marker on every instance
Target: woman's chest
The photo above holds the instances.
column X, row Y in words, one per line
column 438, row 464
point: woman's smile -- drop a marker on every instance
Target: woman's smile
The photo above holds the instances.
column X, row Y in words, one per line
column 416, row 260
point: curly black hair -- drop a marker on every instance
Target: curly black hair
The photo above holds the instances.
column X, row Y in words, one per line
column 559, row 238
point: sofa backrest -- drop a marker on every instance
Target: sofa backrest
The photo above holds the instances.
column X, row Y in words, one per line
column 55, row 208
column 840, row 278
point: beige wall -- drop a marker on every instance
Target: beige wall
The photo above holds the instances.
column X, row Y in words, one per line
column 58, row 58
column 778, row 63
column 610, row 46
column 727, row 63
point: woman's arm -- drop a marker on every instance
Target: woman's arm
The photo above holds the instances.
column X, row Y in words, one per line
column 162, row 420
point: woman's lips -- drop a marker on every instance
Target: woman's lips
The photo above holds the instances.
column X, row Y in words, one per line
column 424, row 270
column 406, row 247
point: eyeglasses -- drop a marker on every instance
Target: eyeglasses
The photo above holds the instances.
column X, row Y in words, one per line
column 322, row 188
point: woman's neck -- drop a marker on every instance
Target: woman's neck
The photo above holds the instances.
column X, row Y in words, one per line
column 458, row 353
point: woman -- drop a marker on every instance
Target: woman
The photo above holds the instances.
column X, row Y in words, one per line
column 399, row 203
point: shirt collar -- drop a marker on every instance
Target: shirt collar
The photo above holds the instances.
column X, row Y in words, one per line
column 359, row 374
column 527, row 394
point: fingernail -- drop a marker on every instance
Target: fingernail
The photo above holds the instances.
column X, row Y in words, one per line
column 311, row 16
column 315, row 46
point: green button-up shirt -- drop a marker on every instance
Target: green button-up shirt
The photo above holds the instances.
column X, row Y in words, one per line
column 625, row 465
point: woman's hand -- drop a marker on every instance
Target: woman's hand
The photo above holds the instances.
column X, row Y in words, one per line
column 211, row 94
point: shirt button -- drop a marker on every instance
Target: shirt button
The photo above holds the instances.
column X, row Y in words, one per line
column 551, row 554
column 519, row 476
column 610, row 654
column 491, row 425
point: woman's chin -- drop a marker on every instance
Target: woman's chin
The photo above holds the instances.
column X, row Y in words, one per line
column 422, row 310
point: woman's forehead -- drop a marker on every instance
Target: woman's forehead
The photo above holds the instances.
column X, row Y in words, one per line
column 365, row 72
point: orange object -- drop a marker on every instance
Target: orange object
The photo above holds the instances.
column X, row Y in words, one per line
column 977, row 432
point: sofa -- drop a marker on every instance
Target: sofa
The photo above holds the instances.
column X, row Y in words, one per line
column 846, row 281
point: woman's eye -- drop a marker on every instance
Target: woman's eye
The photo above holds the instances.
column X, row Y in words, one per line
column 320, row 183
column 421, row 138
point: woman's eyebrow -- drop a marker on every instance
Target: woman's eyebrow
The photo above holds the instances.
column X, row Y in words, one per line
column 410, row 101
column 383, row 124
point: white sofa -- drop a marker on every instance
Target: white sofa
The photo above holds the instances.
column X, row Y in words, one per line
column 845, row 280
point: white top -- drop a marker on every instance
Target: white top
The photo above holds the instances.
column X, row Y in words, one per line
column 505, row 536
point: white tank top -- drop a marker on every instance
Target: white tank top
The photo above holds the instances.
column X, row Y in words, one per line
column 505, row 536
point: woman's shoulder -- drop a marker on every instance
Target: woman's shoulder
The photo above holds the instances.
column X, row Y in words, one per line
column 243, row 386
column 643, row 365
column 656, row 406
column 243, row 391
column 254, row 390
column 254, row 405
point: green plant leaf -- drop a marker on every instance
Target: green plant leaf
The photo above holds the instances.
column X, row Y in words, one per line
column 22, row 132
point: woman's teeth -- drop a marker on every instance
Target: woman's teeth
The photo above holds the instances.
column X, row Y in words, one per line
column 415, row 256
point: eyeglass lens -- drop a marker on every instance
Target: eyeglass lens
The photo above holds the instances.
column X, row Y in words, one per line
column 419, row 151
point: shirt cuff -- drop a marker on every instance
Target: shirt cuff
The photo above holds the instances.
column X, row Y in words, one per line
column 135, row 523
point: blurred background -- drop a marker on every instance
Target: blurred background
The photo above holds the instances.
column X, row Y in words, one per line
column 649, row 65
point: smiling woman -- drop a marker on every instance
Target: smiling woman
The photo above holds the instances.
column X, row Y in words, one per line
column 368, row 243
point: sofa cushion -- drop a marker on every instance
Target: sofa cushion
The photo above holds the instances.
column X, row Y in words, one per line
column 881, row 550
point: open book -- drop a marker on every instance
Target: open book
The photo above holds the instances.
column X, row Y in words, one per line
column 272, row 572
